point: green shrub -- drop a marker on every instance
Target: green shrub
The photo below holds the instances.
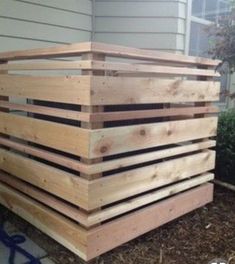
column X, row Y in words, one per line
column 225, row 163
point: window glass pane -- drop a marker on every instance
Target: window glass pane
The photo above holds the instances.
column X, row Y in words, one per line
column 211, row 6
column 197, row 8
column 199, row 41
column 211, row 10
column 223, row 11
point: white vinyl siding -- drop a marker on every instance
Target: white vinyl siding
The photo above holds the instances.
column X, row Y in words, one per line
column 151, row 24
column 33, row 23
column 144, row 24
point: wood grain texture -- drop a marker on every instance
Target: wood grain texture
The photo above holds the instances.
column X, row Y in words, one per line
column 126, row 184
column 107, row 49
column 94, row 65
column 88, row 182
column 145, row 199
column 151, row 55
column 70, row 89
column 48, row 221
column 149, row 68
column 47, row 199
column 44, row 110
column 134, row 90
column 130, row 138
column 149, row 156
column 66, row 138
column 103, row 166
column 144, row 220
column 45, row 155
column 139, row 114
column 44, row 53
column 45, row 66
column 62, row 184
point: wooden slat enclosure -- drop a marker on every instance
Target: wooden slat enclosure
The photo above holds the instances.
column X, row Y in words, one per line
column 95, row 138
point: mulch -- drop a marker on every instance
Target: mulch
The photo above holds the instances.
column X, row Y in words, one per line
column 196, row 238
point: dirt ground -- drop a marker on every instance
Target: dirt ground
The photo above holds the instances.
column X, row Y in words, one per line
column 195, row 238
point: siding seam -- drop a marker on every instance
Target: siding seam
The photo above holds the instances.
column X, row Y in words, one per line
column 44, row 23
column 54, row 7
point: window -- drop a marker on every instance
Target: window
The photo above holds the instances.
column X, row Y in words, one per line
column 205, row 12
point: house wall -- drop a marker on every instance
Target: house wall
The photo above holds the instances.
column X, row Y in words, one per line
column 142, row 23
column 42, row 23
column 151, row 24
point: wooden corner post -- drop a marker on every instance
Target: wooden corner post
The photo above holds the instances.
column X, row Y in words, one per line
column 3, row 98
column 92, row 109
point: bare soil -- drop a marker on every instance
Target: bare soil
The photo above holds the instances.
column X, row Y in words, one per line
column 195, row 238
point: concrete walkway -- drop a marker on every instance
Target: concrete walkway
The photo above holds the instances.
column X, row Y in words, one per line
column 28, row 245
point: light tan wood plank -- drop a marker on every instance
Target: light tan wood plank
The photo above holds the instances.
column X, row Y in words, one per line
column 142, row 200
column 92, row 109
column 44, row 110
column 66, row 138
column 107, row 49
column 139, row 114
column 44, row 66
column 109, row 66
column 151, row 55
column 115, row 140
column 150, row 156
column 134, row 90
column 159, row 69
column 70, row 89
column 51, row 223
column 62, row 184
column 125, row 184
column 46, row 155
column 43, row 53
column 90, row 169
column 45, row 198
column 144, row 220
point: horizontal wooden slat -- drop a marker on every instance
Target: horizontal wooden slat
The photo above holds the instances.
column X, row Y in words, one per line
column 142, row 221
column 108, row 116
column 148, row 68
column 153, row 55
column 44, row 66
column 131, row 204
column 45, row 198
column 43, row 110
column 103, row 142
column 106, row 213
column 110, row 66
column 51, row 223
column 125, row 184
column 108, row 49
column 46, row 155
column 62, row 184
column 134, row 90
column 66, row 138
column 106, row 90
column 146, row 157
column 43, row 53
column 138, row 114
column 70, row 89
column 103, row 166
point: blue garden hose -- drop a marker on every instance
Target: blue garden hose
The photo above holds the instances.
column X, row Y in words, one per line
column 12, row 242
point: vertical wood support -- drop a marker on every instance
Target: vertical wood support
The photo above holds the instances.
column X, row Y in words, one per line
column 92, row 109
column 203, row 78
column 3, row 98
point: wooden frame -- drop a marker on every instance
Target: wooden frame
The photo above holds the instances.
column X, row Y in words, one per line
column 95, row 144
